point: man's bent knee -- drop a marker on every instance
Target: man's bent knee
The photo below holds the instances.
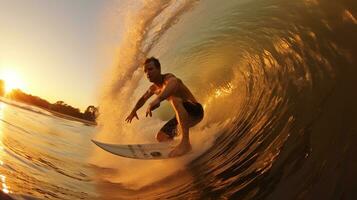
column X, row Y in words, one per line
column 162, row 137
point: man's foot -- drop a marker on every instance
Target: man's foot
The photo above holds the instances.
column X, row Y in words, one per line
column 181, row 149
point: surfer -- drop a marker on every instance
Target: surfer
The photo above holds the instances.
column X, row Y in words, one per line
column 188, row 112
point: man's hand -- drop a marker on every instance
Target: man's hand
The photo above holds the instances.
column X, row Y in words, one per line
column 152, row 106
column 131, row 116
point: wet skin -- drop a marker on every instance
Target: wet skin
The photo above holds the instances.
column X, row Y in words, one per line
column 168, row 87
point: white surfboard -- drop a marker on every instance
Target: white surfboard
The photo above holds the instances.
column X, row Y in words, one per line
column 139, row 151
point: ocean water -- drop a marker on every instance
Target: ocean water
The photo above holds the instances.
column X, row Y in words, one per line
column 277, row 80
column 43, row 156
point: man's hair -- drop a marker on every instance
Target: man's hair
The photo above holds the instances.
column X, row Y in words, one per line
column 154, row 60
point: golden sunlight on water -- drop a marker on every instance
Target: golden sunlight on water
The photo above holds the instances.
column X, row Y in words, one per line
column 5, row 188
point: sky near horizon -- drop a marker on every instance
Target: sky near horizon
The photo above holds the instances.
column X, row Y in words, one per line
column 55, row 48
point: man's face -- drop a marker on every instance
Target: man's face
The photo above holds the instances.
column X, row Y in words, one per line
column 152, row 72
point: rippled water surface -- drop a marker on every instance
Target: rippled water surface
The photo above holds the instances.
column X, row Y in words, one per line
column 277, row 80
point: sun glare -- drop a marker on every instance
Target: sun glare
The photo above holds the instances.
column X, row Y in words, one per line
column 12, row 81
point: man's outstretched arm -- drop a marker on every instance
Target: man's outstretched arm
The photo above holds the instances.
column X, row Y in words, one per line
column 139, row 104
column 170, row 88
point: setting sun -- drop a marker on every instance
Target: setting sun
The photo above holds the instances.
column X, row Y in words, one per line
column 12, row 80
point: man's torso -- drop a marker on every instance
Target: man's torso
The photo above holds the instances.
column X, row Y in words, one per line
column 181, row 91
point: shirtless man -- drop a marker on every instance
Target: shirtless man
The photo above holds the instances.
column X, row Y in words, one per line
column 188, row 111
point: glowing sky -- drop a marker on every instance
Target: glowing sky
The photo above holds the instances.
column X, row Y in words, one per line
column 56, row 47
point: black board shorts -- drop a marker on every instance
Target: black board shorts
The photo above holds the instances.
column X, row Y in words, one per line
column 195, row 110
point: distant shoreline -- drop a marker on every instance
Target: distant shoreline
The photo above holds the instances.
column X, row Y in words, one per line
column 68, row 117
column 57, row 114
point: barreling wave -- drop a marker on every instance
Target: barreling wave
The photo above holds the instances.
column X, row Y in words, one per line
column 273, row 77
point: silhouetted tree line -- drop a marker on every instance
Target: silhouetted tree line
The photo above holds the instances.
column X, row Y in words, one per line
column 89, row 114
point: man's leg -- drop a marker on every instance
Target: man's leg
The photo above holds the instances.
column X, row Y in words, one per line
column 162, row 137
column 183, row 120
column 168, row 131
